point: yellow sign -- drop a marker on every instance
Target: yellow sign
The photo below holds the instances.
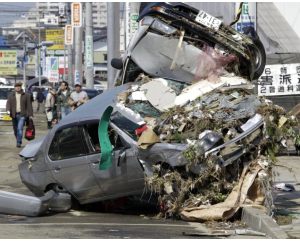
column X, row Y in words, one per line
column 57, row 36
column 8, row 62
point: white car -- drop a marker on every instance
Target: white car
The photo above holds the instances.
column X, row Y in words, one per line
column 4, row 93
column 4, row 81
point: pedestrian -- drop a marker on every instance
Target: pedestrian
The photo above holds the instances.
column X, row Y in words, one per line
column 40, row 99
column 50, row 107
column 63, row 96
column 78, row 97
column 19, row 107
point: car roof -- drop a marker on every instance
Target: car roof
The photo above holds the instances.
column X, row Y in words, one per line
column 93, row 109
column 7, row 87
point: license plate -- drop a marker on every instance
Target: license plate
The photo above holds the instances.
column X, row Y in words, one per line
column 208, row 20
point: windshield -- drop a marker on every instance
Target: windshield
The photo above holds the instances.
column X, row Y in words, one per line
column 4, row 93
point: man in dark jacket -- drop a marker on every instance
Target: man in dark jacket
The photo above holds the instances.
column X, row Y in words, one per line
column 40, row 100
column 19, row 107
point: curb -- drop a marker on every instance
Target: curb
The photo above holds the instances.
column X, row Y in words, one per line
column 259, row 221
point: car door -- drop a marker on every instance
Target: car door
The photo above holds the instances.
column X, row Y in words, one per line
column 70, row 166
column 119, row 179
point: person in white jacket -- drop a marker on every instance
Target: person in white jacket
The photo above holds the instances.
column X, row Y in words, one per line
column 49, row 106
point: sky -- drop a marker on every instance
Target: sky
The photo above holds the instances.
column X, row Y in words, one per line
column 10, row 11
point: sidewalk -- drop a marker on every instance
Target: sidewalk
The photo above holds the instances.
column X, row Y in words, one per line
column 287, row 204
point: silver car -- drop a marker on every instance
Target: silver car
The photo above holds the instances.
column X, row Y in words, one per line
column 67, row 158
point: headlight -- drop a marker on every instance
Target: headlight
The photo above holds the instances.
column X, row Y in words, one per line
column 163, row 27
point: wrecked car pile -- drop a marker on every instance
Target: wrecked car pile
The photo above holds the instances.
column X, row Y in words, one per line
column 224, row 142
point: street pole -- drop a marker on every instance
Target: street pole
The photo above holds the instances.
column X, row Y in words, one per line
column 24, row 62
column 70, row 59
column 113, row 39
column 89, row 48
column 39, row 51
column 78, row 56
column 65, row 62
column 126, row 22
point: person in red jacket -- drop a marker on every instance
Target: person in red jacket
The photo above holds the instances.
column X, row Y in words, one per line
column 19, row 107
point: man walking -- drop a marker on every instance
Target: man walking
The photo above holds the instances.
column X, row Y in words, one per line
column 49, row 107
column 63, row 96
column 19, row 107
column 40, row 100
column 78, row 97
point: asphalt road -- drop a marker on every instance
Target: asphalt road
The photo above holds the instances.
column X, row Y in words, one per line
column 87, row 222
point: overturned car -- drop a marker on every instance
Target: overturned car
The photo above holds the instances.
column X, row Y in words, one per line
column 177, row 41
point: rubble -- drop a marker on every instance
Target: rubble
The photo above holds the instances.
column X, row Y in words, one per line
column 228, row 139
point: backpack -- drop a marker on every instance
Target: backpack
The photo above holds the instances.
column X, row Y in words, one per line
column 30, row 130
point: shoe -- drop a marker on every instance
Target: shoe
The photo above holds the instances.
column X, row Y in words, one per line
column 19, row 145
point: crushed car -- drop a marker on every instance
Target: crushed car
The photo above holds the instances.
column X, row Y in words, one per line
column 177, row 41
column 184, row 124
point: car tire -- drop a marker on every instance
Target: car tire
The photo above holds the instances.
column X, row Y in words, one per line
column 259, row 53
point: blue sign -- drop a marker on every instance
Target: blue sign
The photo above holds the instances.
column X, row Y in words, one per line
column 241, row 26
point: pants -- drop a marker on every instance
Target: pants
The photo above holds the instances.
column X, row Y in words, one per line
column 40, row 106
column 18, row 125
column 65, row 111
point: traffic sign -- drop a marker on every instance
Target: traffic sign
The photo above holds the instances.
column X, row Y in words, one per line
column 76, row 14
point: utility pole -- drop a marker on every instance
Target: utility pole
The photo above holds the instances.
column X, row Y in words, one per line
column 39, row 51
column 70, row 59
column 78, row 56
column 24, row 59
column 113, row 39
column 89, row 48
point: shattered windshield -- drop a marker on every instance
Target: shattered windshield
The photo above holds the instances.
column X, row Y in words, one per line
column 124, row 124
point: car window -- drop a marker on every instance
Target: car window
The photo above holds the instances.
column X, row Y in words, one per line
column 132, row 71
column 124, row 124
column 4, row 93
column 92, row 140
column 67, row 143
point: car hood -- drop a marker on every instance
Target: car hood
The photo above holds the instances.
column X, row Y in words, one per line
column 31, row 149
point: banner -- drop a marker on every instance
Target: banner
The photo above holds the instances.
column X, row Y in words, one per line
column 57, row 36
column 280, row 79
column 52, row 69
column 8, row 62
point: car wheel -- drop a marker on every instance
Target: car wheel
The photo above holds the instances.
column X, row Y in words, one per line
column 259, row 54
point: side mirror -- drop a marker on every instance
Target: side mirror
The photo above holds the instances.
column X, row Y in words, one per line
column 117, row 63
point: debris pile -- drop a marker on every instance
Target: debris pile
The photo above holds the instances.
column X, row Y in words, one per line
column 207, row 149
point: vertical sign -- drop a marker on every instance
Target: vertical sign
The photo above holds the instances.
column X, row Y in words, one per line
column 77, row 77
column 133, row 23
column 76, row 14
column 68, row 34
column 89, row 58
column 248, row 16
column 61, row 9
